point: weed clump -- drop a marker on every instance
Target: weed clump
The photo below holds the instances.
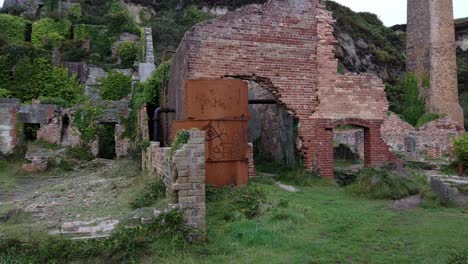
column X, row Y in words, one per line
column 381, row 183
column 151, row 194
column 243, row 202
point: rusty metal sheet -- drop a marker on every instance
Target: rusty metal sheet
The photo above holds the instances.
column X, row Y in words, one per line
column 227, row 173
column 216, row 99
column 226, row 140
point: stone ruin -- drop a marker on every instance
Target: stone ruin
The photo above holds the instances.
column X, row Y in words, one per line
column 54, row 124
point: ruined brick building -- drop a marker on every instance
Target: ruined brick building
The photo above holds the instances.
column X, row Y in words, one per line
column 431, row 55
column 287, row 47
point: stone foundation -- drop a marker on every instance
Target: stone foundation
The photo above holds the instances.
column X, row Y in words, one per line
column 8, row 125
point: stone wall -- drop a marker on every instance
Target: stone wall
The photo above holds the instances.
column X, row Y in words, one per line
column 431, row 54
column 183, row 175
column 8, row 124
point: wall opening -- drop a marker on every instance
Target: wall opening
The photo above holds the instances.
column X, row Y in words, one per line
column 150, row 108
column 30, row 131
column 272, row 129
column 106, row 139
column 64, row 132
column 348, row 147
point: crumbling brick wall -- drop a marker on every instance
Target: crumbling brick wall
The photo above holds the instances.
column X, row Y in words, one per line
column 288, row 48
column 431, row 54
column 183, row 175
column 8, row 124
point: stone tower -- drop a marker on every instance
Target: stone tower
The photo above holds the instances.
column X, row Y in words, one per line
column 431, row 55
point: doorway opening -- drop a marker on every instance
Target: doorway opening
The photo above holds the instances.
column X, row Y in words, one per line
column 348, row 148
column 106, row 139
column 30, row 132
column 64, row 132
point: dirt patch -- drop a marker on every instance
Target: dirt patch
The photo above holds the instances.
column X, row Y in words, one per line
column 407, row 204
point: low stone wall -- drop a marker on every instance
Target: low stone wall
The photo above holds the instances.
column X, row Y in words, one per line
column 183, row 175
column 433, row 139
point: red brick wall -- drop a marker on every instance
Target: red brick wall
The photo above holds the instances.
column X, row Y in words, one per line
column 287, row 47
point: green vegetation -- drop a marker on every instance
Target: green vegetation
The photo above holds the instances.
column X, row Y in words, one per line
column 127, row 54
column 12, row 29
column 81, row 153
column 386, row 46
column 426, row 118
column 153, row 192
column 126, row 245
column 384, row 184
column 115, row 86
column 4, row 93
column 144, row 93
column 460, row 148
column 414, row 106
column 50, row 33
column 32, row 79
column 86, row 120
column 181, row 139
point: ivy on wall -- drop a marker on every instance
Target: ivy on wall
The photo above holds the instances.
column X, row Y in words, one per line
column 12, row 28
column 50, row 32
column 127, row 54
column 116, row 86
column 86, row 120
column 32, row 79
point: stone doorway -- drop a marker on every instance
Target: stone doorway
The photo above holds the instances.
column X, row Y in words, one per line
column 106, row 140
column 30, row 131
column 348, row 148
column 64, row 131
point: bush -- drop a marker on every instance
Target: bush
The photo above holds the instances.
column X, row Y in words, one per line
column 48, row 30
column 381, row 183
column 414, row 107
column 40, row 78
column 85, row 119
column 100, row 39
column 460, row 149
column 80, row 153
column 12, row 28
column 127, row 54
column 115, row 86
column 4, row 93
column 151, row 194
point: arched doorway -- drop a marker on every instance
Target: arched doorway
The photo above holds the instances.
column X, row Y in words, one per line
column 376, row 151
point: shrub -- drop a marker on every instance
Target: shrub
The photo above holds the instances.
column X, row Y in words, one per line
column 116, row 86
column 153, row 192
column 181, row 138
column 48, row 30
column 12, row 28
column 85, row 119
column 40, row 78
column 80, row 153
column 381, row 183
column 460, row 148
column 4, row 93
column 414, row 107
column 100, row 39
column 127, row 53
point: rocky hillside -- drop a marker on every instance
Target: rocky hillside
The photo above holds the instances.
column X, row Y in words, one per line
column 364, row 43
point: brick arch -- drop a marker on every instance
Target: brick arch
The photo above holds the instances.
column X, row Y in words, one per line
column 376, row 151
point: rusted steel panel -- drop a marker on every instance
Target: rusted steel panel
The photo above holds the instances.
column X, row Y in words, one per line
column 219, row 107
column 216, row 99
column 227, row 173
column 226, row 140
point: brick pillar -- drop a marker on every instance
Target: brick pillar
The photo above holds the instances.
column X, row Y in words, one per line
column 322, row 151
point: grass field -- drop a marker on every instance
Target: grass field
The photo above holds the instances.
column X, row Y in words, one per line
column 323, row 224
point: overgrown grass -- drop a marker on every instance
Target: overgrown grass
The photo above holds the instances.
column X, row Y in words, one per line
column 126, row 245
column 154, row 191
column 381, row 183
